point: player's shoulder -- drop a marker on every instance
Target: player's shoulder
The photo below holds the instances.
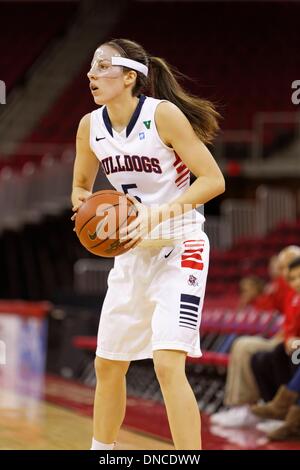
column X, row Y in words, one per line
column 83, row 130
column 166, row 108
column 85, row 120
column 169, row 118
column 167, row 111
column 84, row 125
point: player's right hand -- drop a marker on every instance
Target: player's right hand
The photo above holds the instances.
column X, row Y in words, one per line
column 79, row 202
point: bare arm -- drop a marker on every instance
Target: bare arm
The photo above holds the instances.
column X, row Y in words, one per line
column 86, row 164
column 176, row 131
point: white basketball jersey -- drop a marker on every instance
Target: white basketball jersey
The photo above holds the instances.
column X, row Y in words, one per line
column 136, row 161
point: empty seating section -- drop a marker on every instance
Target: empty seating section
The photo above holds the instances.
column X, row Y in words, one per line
column 29, row 192
column 38, row 248
column 26, row 29
column 236, row 60
column 60, row 124
column 248, row 257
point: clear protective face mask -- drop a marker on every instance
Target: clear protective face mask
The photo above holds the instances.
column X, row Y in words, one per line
column 102, row 67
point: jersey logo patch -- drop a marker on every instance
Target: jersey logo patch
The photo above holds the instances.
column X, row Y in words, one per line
column 147, row 124
column 142, row 135
column 192, row 281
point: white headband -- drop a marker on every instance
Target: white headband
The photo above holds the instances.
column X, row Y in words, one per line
column 131, row 64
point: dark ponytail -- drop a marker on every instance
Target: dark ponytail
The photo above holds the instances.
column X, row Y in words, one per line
column 163, row 83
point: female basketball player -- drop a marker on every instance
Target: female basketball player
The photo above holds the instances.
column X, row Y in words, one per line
column 147, row 145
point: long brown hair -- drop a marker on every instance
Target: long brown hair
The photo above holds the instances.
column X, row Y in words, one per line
column 163, row 83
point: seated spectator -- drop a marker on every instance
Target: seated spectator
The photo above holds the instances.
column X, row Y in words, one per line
column 274, row 268
column 276, row 292
column 241, row 388
column 250, row 290
column 271, row 369
column 280, row 367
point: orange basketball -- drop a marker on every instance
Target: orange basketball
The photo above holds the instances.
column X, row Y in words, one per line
column 99, row 219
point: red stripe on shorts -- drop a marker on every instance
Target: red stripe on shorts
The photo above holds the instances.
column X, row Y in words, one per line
column 191, row 257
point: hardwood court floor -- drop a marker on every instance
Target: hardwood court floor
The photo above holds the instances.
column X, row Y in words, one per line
column 31, row 424
column 62, row 420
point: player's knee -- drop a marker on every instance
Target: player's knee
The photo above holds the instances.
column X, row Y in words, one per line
column 165, row 371
column 110, row 370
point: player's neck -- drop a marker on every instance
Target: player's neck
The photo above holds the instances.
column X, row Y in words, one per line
column 121, row 110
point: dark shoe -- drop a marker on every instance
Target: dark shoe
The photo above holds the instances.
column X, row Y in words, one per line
column 279, row 406
column 290, row 429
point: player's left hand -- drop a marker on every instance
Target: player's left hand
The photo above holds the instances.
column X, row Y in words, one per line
column 140, row 227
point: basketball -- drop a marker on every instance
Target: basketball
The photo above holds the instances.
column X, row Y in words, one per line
column 99, row 219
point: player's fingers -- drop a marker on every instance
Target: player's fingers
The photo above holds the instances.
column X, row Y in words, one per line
column 82, row 199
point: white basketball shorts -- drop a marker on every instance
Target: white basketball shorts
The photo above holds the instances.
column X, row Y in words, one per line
column 154, row 301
